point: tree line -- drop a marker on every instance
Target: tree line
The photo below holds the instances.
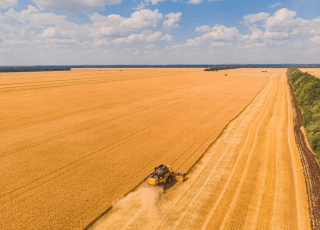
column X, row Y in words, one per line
column 307, row 90
column 9, row 69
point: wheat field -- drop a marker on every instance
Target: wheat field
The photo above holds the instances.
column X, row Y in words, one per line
column 74, row 142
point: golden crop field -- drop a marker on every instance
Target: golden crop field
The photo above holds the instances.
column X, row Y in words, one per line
column 312, row 71
column 250, row 178
column 74, row 142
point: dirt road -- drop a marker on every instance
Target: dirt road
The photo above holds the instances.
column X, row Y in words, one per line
column 73, row 142
column 250, row 178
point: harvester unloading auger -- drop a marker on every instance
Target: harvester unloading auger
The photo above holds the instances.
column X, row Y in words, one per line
column 163, row 174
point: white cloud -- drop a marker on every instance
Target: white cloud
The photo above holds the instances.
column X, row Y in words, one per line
column 145, row 36
column 251, row 46
column 195, row 2
column 257, row 34
column 315, row 30
column 8, row 3
column 115, row 25
column 218, row 35
column 101, row 42
column 46, row 19
column 137, row 52
column 14, row 42
column 220, row 44
column 107, row 24
column 150, row 46
column 197, row 42
column 33, row 30
column 14, row 39
column 282, row 19
column 31, row 17
column 172, row 19
column 220, row 32
column 154, row 2
column 191, row 43
column 74, row 5
column 283, row 24
column 142, row 19
column 54, row 32
column 204, row 28
column 50, row 28
column 276, row 35
column 61, row 41
column 5, row 50
column 7, row 26
column 145, row 3
column 252, row 18
column 157, row 36
column 275, row 5
column 316, row 39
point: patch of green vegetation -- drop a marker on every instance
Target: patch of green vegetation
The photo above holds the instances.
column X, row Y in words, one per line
column 307, row 90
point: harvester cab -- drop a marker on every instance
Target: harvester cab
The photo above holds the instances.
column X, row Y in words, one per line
column 163, row 174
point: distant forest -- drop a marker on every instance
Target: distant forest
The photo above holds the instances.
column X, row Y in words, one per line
column 7, row 69
column 222, row 67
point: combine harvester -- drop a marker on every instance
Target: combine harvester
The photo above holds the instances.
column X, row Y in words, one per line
column 163, row 175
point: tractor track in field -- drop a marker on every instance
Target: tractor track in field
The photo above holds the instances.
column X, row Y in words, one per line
column 310, row 165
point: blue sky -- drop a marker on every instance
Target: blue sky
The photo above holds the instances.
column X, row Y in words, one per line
column 62, row 32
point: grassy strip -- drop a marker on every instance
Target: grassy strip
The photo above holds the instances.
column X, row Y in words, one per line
column 307, row 90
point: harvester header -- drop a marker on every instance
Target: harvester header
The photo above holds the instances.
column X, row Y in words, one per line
column 163, row 174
